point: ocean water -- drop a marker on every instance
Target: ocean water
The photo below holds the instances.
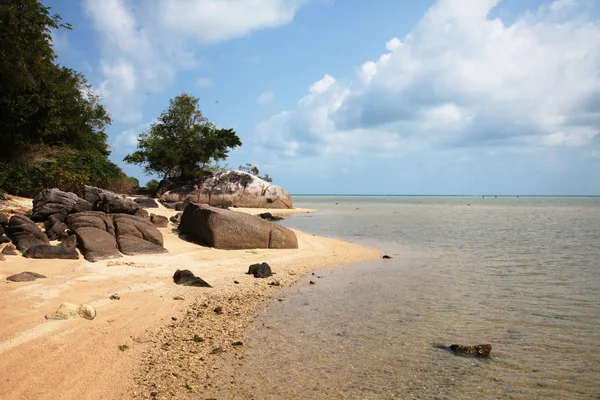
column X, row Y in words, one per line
column 522, row 274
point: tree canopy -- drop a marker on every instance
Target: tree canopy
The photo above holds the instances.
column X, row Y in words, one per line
column 51, row 122
column 182, row 142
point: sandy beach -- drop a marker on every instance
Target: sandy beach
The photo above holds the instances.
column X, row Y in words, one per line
column 159, row 340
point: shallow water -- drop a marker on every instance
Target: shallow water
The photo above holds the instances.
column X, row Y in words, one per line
column 519, row 273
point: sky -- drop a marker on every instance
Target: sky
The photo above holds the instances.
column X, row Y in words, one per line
column 444, row 97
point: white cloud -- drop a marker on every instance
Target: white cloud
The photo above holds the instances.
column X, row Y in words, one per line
column 459, row 79
column 204, row 82
column 266, row 98
column 145, row 42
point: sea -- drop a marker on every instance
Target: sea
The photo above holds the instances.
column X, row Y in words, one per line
column 519, row 273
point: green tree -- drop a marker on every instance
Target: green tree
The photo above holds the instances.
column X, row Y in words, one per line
column 182, row 142
column 252, row 169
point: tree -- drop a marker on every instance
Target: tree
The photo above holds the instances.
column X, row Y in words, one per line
column 251, row 169
column 182, row 142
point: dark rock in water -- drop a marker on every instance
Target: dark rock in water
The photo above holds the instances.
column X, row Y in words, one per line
column 4, row 239
column 10, row 250
column 95, row 235
column 160, row 221
column 386, row 257
column 270, row 217
column 142, row 213
column 226, row 229
column 481, row 350
column 53, row 202
column 24, row 233
column 137, row 235
column 146, row 202
column 260, row 270
column 54, row 227
column 25, row 277
column 176, row 218
column 51, row 252
column 69, row 241
column 4, row 218
column 109, row 202
column 187, row 278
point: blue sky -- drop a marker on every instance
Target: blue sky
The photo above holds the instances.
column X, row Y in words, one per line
column 361, row 97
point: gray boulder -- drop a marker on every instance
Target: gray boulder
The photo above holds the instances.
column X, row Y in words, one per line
column 53, row 202
column 95, row 233
column 109, row 202
column 25, row 277
column 55, row 228
column 160, row 221
column 233, row 188
column 137, row 235
column 51, row 252
column 260, row 270
column 146, row 202
column 226, row 229
column 24, row 233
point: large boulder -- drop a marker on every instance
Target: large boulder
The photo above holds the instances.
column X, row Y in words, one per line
column 226, row 229
column 160, row 221
column 24, row 233
column 55, row 228
column 95, row 233
column 137, row 235
column 233, row 188
column 53, row 202
column 109, row 202
column 146, row 202
column 45, row 251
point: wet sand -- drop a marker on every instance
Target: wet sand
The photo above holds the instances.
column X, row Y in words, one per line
column 142, row 346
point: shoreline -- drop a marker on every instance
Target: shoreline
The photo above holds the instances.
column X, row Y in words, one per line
column 81, row 359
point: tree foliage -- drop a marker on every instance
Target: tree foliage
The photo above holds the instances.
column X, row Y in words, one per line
column 51, row 123
column 252, row 169
column 182, row 142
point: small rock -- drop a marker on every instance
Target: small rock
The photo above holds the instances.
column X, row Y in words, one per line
column 386, row 257
column 123, row 347
column 238, row 343
column 174, row 318
column 70, row 311
column 25, row 277
column 236, row 282
column 274, row 283
column 10, row 250
column 218, row 310
column 312, row 282
column 481, row 350
column 270, row 217
column 178, row 298
column 160, row 221
column 187, row 278
column 198, row 339
column 260, row 270
column 115, row 297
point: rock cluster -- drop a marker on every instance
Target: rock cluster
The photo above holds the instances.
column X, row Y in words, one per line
column 233, row 189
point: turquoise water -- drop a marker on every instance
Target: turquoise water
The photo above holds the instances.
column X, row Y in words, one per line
column 519, row 273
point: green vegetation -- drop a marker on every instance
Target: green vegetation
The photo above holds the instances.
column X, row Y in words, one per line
column 251, row 169
column 52, row 125
column 182, row 143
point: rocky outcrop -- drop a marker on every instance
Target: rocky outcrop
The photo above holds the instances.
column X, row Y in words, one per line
column 108, row 202
column 187, row 278
column 233, row 188
column 160, row 221
column 53, row 202
column 226, row 229
column 136, row 235
column 25, row 277
column 24, row 233
column 146, row 202
column 95, row 233
column 51, row 252
column 70, row 311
